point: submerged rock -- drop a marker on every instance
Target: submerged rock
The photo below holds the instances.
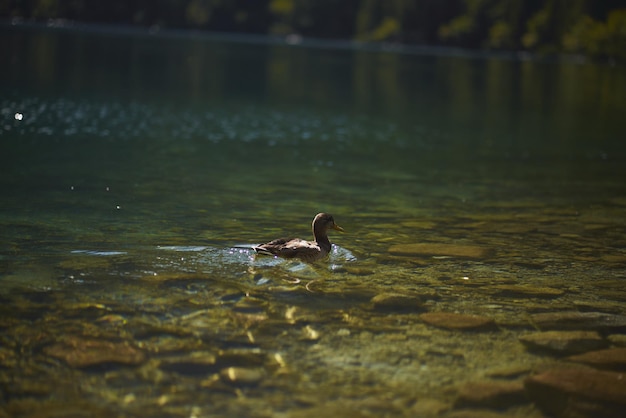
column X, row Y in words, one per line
column 8, row 357
column 310, row 334
column 475, row 413
column 572, row 320
column 509, row 372
column 491, row 394
column 435, row 249
column 618, row 340
column 78, row 352
column 241, row 375
column 457, row 321
column 396, row 302
column 344, row 409
column 526, row 291
column 428, row 407
column 358, row 270
column 610, row 359
column 578, row 393
column 241, row 357
column 55, row 408
column 196, row 364
column 564, row 342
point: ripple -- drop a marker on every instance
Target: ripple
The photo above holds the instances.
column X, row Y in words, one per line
column 183, row 248
column 99, row 253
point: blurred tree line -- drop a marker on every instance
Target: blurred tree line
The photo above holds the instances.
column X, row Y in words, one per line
column 595, row 28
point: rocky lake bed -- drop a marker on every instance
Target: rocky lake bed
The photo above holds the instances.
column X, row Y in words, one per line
column 410, row 330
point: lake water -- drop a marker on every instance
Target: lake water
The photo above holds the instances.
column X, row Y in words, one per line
column 134, row 166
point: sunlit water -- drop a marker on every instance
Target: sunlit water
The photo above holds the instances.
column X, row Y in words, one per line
column 135, row 168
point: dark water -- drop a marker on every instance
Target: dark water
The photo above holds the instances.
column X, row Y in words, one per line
column 133, row 164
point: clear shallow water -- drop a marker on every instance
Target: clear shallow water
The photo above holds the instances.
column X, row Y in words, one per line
column 133, row 166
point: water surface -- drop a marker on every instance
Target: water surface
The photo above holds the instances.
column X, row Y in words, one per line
column 134, row 165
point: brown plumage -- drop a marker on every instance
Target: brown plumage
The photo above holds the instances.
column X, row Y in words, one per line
column 302, row 249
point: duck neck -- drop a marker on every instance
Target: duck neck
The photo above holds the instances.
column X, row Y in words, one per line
column 322, row 239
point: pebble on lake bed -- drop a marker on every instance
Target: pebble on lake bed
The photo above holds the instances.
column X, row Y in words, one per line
column 564, row 342
column 573, row 320
column 396, row 302
column 455, row 321
column 476, row 413
column 578, row 392
column 618, row 340
column 241, row 375
column 428, row 407
column 310, row 334
column 526, row 291
column 80, row 353
column 241, row 357
column 196, row 364
column 491, row 394
column 611, row 359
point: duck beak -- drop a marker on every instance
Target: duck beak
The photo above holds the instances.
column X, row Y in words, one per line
column 338, row 228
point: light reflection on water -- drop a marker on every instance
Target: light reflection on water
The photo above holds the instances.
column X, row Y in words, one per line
column 125, row 202
column 210, row 259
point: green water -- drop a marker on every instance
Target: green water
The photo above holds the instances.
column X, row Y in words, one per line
column 134, row 165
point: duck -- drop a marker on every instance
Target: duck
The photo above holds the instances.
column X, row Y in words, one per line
column 302, row 249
